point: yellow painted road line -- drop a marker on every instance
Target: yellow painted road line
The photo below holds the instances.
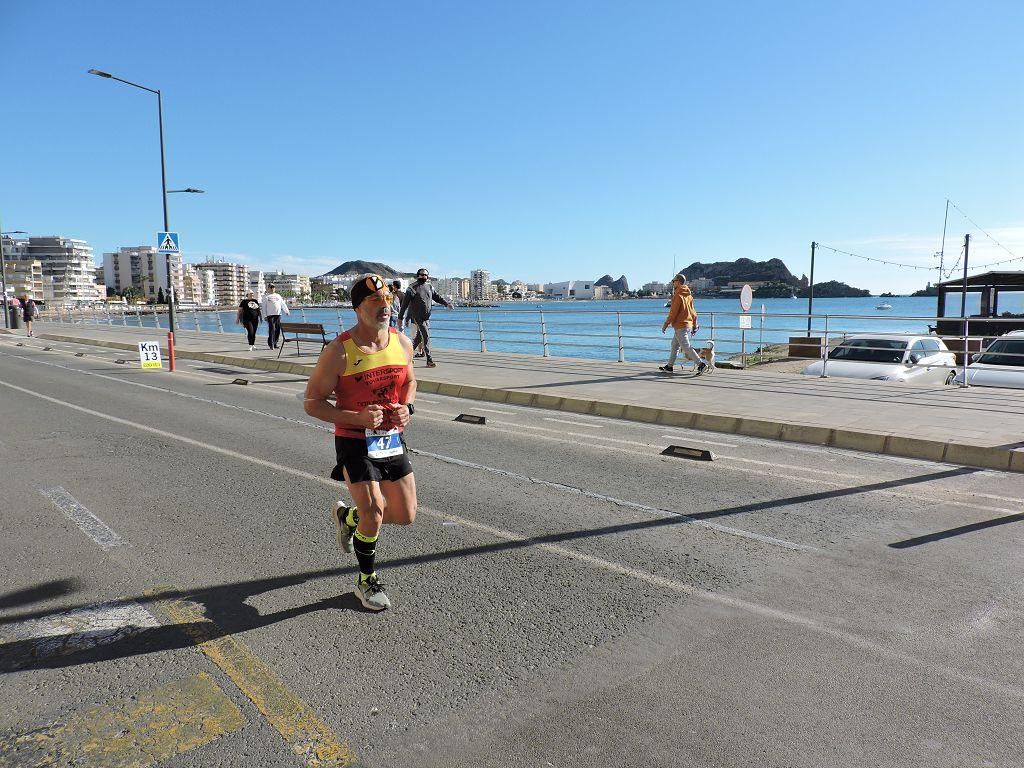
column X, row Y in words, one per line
column 306, row 734
column 132, row 733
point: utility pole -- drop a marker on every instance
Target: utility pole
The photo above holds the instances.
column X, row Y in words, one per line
column 963, row 290
column 810, row 289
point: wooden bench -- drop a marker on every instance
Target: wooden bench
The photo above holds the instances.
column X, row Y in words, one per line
column 300, row 332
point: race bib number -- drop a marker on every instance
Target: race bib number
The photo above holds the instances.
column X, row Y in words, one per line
column 383, row 443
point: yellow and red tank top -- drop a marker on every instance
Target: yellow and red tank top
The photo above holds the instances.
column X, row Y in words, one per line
column 371, row 377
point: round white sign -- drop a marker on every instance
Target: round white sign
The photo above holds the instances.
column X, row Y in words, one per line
column 746, row 298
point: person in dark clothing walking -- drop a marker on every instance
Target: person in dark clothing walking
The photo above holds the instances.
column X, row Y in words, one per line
column 416, row 304
column 249, row 315
column 29, row 312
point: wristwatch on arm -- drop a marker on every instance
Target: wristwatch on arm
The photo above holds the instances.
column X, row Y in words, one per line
column 411, row 408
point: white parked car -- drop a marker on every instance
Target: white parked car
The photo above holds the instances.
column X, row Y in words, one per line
column 1000, row 365
column 917, row 359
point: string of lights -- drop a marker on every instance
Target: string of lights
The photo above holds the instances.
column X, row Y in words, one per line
column 1013, row 257
column 877, row 260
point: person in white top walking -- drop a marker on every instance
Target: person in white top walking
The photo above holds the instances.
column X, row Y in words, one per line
column 273, row 305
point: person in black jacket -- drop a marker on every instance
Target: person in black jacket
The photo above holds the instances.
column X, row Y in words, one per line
column 249, row 315
column 416, row 304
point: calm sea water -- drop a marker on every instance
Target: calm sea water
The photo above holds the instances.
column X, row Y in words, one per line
column 590, row 329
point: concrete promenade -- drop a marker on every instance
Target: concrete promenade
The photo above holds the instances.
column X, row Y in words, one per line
column 975, row 426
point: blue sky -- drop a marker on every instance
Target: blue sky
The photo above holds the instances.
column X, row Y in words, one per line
column 543, row 141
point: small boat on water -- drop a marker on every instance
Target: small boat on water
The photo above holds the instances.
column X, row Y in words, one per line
column 883, row 305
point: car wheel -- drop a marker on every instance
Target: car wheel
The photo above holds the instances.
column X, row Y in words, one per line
column 950, row 378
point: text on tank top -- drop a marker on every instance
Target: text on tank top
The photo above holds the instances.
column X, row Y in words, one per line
column 371, row 378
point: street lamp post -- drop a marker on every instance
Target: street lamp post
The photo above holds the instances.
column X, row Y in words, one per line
column 3, row 274
column 164, row 191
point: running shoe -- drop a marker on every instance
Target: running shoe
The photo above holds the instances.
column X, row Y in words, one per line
column 419, row 354
column 371, row 594
column 431, row 364
column 702, row 368
column 344, row 530
column 665, row 368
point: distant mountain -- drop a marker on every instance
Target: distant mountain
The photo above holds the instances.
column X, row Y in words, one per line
column 365, row 267
column 746, row 270
column 615, row 286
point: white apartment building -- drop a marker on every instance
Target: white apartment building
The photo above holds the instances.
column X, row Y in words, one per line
column 24, row 277
column 480, row 286
column 208, row 287
column 256, row 282
column 69, row 275
column 570, row 289
column 192, row 290
column 452, row 287
column 142, row 268
column 289, row 285
column 655, row 287
column 230, row 282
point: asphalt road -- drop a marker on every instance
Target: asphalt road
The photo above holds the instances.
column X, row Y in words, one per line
column 566, row 597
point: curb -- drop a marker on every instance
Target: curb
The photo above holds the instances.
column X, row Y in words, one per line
column 986, row 457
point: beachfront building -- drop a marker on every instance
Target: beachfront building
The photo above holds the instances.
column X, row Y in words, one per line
column 192, row 286
column 257, row 282
column 480, row 286
column 452, row 288
column 208, row 285
column 570, row 289
column 69, row 275
column 658, row 289
column 230, row 282
column 290, row 286
column 25, row 277
column 142, row 268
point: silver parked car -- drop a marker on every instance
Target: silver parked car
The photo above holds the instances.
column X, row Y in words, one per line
column 1000, row 365
column 895, row 357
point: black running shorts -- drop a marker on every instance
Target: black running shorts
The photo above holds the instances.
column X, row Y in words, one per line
column 361, row 468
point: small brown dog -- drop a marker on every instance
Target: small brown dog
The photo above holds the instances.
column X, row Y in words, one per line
column 707, row 354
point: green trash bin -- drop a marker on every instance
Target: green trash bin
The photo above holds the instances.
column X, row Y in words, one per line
column 15, row 315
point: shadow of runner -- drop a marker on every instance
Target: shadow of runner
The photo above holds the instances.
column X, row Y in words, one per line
column 39, row 592
column 949, row 533
column 228, row 612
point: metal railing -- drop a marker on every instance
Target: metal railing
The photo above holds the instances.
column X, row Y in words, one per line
column 744, row 339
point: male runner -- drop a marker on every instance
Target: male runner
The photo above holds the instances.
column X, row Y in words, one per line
column 369, row 370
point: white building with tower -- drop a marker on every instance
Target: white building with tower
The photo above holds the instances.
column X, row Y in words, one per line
column 142, row 268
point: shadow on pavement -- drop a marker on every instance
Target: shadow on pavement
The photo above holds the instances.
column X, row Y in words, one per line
column 228, row 612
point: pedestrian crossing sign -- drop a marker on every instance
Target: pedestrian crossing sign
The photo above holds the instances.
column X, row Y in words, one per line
column 167, row 242
column 149, row 355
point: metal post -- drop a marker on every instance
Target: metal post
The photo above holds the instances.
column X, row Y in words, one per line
column 220, row 321
column 195, row 318
column 760, row 342
column 963, row 294
column 302, row 314
column 106, row 311
column 480, row 326
column 171, row 324
column 967, row 356
column 810, row 291
column 3, row 283
column 338, row 312
column 712, row 326
column 824, row 352
column 622, row 349
column 138, row 315
column 156, row 317
column 743, row 348
column 544, row 334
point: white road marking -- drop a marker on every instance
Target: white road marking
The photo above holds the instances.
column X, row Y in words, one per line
column 699, row 440
column 840, row 481
column 80, row 629
column 490, row 410
column 420, row 399
column 660, row 582
column 574, row 423
column 91, row 525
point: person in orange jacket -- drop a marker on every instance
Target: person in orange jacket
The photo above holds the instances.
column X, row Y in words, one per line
column 683, row 318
